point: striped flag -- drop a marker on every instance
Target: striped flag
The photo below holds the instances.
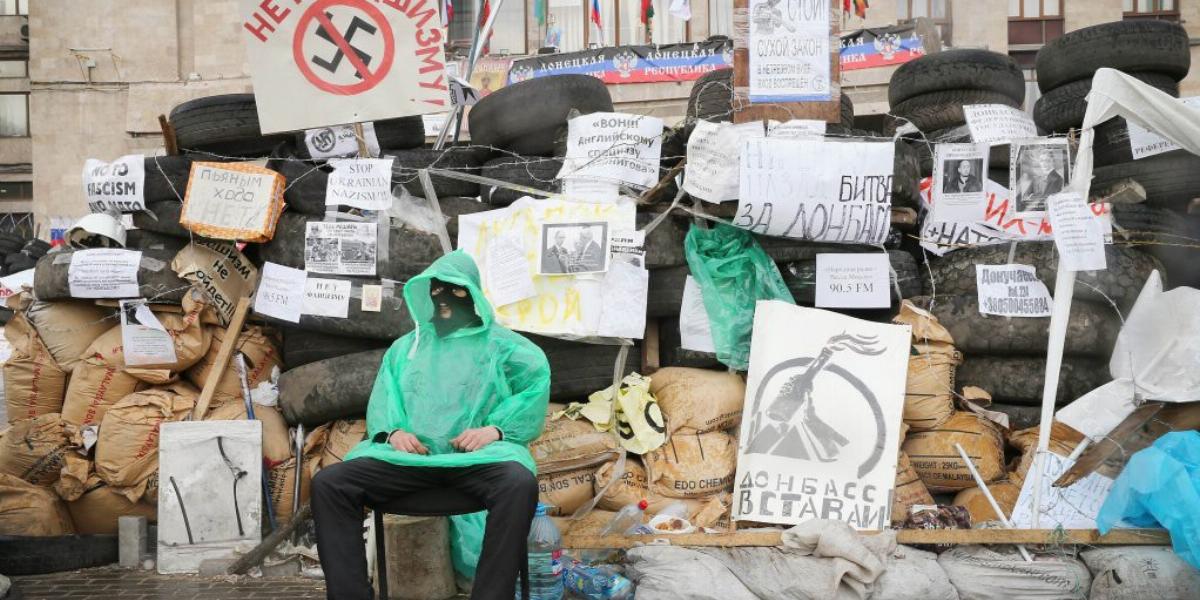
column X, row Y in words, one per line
column 447, row 12
column 596, row 16
column 483, row 17
column 860, row 7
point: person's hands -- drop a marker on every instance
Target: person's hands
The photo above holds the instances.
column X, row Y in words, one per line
column 474, row 439
column 407, row 442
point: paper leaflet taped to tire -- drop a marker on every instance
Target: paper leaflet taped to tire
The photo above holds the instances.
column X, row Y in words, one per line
column 223, row 272
column 344, row 435
column 26, row 509
column 937, row 461
column 692, row 465
column 232, row 201
column 698, row 400
column 257, row 349
column 34, row 384
column 34, row 449
column 929, row 391
column 127, row 451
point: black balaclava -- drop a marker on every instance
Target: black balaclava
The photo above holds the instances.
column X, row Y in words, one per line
column 453, row 307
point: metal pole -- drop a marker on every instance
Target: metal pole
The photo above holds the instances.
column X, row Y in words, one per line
column 477, row 41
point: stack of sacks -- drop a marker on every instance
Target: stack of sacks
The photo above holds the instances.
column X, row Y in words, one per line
column 259, row 351
column 34, row 382
column 568, row 454
column 344, row 435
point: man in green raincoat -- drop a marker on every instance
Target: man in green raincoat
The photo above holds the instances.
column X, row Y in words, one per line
column 455, row 404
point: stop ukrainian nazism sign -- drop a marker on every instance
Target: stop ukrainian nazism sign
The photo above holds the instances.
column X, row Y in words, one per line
column 326, row 62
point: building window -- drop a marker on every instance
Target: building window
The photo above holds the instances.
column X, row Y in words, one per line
column 14, row 69
column 14, row 115
column 1162, row 10
column 565, row 25
column 14, row 7
column 569, row 26
column 1034, row 9
column 720, row 17
column 1031, row 24
column 936, row 10
column 508, row 29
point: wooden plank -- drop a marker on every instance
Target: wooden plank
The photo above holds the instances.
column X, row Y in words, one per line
column 1118, row 537
column 260, row 552
column 650, row 348
column 1099, row 452
column 226, row 351
column 170, row 142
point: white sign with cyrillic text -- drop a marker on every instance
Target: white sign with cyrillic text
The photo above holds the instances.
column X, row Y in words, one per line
column 789, row 51
column 143, row 337
column 280, row 292
column 104, row 273
column 998, row 124
column 614, row 147
column 853, row 280
column 1144, row 143
column 1011, row 291
column 1078, row 233
column 327, row 297
column 711, row 171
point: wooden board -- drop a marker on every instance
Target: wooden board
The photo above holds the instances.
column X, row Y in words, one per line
column 1117, row 537
column 745, row 112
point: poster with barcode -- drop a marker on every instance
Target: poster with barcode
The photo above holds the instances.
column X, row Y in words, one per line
column 341, row 248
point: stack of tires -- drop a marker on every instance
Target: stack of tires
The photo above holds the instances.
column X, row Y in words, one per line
column 1156, row 53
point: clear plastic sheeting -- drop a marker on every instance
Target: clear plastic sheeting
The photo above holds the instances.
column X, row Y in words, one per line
column 1160, row 487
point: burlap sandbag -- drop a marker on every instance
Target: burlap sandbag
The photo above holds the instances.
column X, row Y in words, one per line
column 972, row 499
column 698, row 399
column 76, row 474
column 276, row 445
column 344, row 435
column 590, row 524
column 633, row 487
column 33, row 449
column 68, row 327
column 937, row 461
column 563, row 492
column 97, row 509
column 565, row 440
column 929, row 391
column 127, row 450
column 692, row 465
column 34, row 384
column 260, row 353
column 26, row 509
column 910, row 490
column 1063, row 439
column 282, row 477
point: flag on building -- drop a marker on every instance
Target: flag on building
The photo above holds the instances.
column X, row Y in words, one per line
column 539, row 11
column 483, row 18
column 647, row 11
column 860, row 7
column 596, row 15
column 447, row 12
column 681, row 9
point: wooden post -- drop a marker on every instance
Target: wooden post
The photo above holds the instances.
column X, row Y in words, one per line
column 226, row 351
column 650, row 348
column 256, row 555
column 361, row 138
column 170, row 142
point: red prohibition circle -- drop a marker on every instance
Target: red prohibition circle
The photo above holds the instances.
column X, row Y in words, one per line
column 369, row 79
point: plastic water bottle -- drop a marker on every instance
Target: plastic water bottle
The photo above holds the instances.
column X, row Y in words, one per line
column 545, row 554
column 596, row 583
column 629, row 517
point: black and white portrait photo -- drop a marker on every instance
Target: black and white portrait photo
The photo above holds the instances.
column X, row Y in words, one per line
column 569, row 248
column 962, row 176
column 1040, row 171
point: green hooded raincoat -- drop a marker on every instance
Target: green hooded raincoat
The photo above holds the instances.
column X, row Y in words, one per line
column 435, row 387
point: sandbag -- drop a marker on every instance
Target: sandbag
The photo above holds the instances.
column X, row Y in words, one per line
column 96, row 510
column 77, row 473
column 674, row 573
column 913, row 574
column 1140, row 573
column 698, row 400
column 909, row 490
column 26, row 509
column 33, row 449
column 692, row 465
column 999, row 573
column 589, row 524
column 972, row 499
column 565, row 440
column 276, row 444
column 344, row 435
column 68, row 327
column 127, row 449
column 929, row 390
column 282, row 477
column 937, row 461
column 34, row 384
column 260, row 353
column 633, row 487
column 1063, row 439
column 563, row 492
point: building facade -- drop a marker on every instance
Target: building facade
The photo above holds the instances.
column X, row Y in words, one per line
column 98, row 77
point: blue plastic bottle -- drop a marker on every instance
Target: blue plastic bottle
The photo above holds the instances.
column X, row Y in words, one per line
column 545, row 554
column 596, row 583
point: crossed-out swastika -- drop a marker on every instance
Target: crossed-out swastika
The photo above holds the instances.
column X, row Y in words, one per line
column 311, row 45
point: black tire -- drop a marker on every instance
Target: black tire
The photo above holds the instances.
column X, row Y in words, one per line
column 36, row 555
column 403, row 133
column 1110, row 144
column 711, row 99
column 672, row 354
column 1019, row 417
column 162, row 217
column 526, row 117
column 578, row 369
column 1129, row 46
column 304, row 190
column 462, row 160
column 980, row 70
column 166, row 178
column 1061, row 109
column 18, row 261
column 144, row 239
column 1018, row 379
column 1091, row 330
column 942, row 110
column 157, row 282
column 536, row 172
column 225, row 125
column 1170, row 237
column 36, row 248
column 1127, row 271
column 1171, row 179
column 454, row 206
column 302, row 346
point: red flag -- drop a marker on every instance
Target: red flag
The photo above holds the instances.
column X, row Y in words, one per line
column 860, row 8
column 647, row 11
column 483, row 17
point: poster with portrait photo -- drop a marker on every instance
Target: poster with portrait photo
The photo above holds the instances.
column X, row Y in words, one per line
column 1038, row 169
column 573, row 248
column 958, row 182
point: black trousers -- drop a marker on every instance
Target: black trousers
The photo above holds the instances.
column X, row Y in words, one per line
column 341, row 492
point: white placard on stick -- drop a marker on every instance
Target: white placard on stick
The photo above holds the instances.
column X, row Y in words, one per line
column 1078, row 234
column 789, row 51
column 104, row 273
column 814, row 190
column 117, row 186
column 1144, row 143
column 341, row 248
column 1072, row 507
column 364, row 183
column 614, row 147
column 711, row 171
column 339, row 141
column 958, row 174
column 280, row 292
column 143, row 337
column 821, row 421
column 1011, row 291
column 853, row 280
column 327, row 297
column 998, row 124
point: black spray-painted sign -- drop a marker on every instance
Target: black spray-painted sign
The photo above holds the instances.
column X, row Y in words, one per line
column 117, row 186
column 821, row 423
column 816, row 190
column 1011, row 291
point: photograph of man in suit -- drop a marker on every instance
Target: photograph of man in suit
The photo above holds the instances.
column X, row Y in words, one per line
column 962, row 176
column 589, row 255
column 1039, row 175
column 557, row 258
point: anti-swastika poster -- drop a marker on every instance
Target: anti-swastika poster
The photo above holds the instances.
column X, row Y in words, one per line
column 821, row 424
column 327, row 62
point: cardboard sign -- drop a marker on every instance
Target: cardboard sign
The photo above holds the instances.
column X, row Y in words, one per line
column 789, row 51
column 343, row 61
column 232, row 201
column 340, row 141
column 711, row 171
column 281, row 292
column 225, row 273
column 1011, row 291
column 1145, row 143
column 854, row 280
column 362, row 183
column 959, row 173
column 998, row 124
column 118, row 186
column 1073, row 507
column 143, row 337
column 1038, row 169
column 327, row 297
column 695, row 330
column 614, row 147
column 104, row 273
column 1078, row 234
column 341, row 248
column 821, row 424
column 814, row 190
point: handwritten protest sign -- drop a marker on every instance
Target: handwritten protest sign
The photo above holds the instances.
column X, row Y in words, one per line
column 821, row 424
column 712, row 159
column 1011, row 291
column 998, row 124
column 118, row 186
column 815, row 190
column 224, row 272
column 1073, row 507
column 1078, row 234
column 614, row 147
column 232, row 201
column 362, row 183
column 327, row 297
column 789, row 51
